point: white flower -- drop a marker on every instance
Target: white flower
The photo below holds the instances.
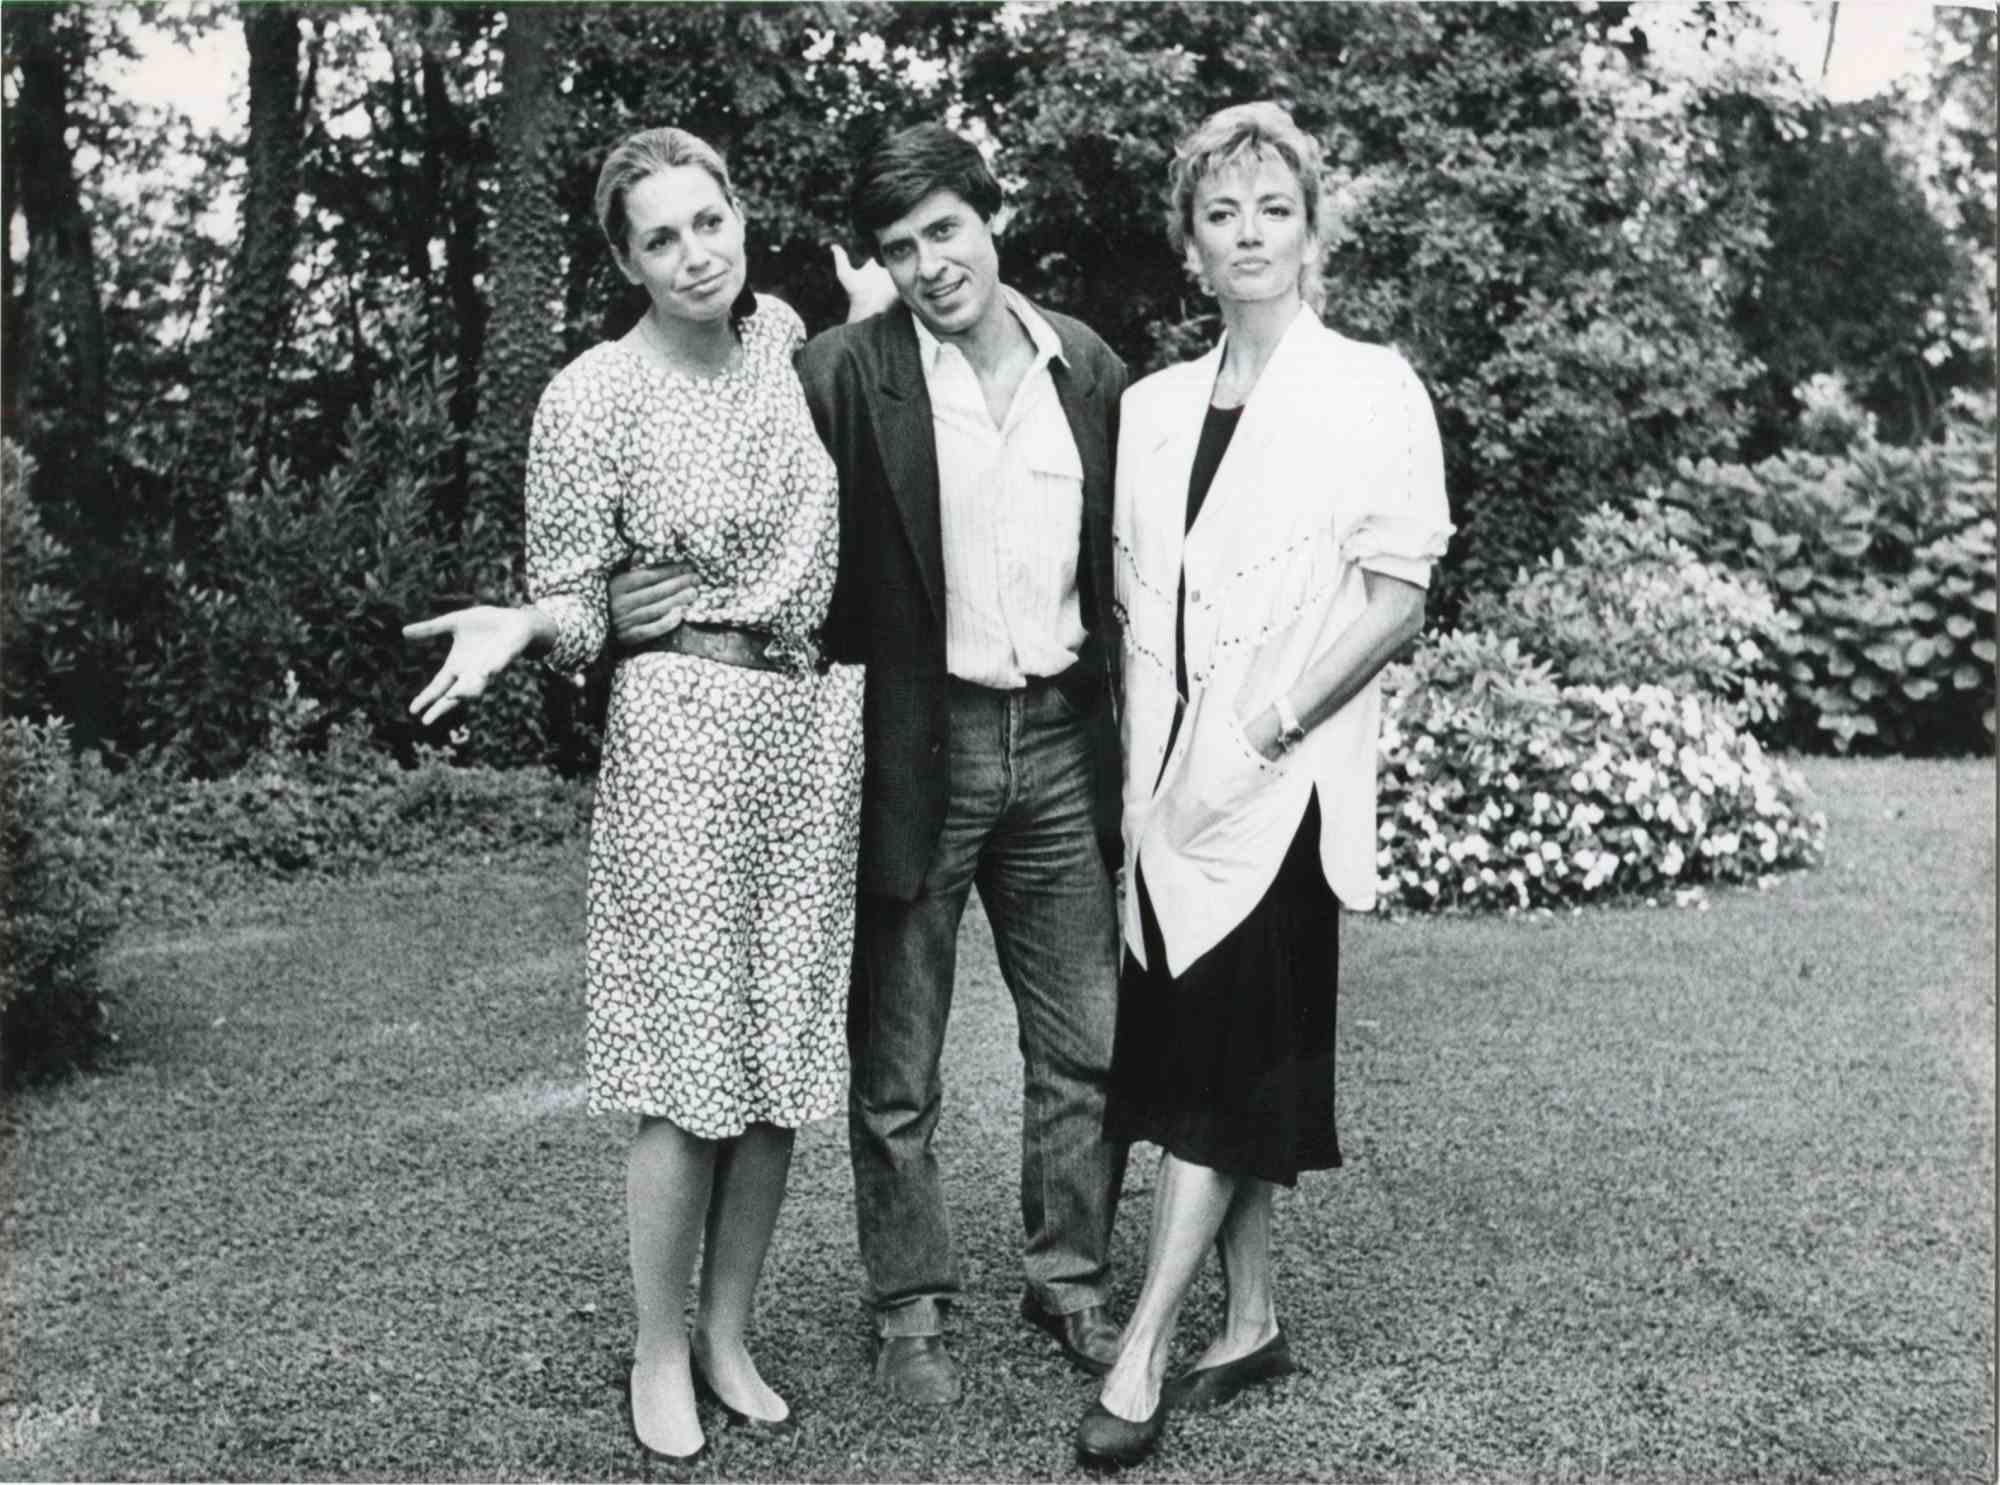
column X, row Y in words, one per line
column 1673, row 861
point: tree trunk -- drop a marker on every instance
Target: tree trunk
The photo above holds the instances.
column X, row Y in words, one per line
column 61, row 403
column 235, row 370
column 525, row 273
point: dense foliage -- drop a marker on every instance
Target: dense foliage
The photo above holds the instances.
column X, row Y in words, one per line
column 59, row 860
column 1575, row 237
column 1883, row 559
column 1503, row 789
column 1628, row 604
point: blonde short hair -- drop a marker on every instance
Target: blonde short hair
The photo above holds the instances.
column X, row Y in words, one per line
column 1254, row 131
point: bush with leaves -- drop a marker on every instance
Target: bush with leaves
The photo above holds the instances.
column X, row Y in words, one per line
column 340, row 810
column 1884, row 556
column 1502, row 790
column 61, row 904
column 316, row 578
column 44, row 634
column 1629, row 604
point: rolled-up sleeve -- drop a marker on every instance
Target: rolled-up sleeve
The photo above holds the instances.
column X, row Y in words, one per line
column 1404, row 522
column 573, row 542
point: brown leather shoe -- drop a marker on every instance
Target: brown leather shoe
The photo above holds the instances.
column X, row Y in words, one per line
column 917, row 1368
column 1087, row 1336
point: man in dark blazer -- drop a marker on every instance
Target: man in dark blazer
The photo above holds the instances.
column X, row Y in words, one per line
column 974, row 435
column 991, row 754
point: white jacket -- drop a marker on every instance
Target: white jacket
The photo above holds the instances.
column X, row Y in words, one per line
column 1334, row 467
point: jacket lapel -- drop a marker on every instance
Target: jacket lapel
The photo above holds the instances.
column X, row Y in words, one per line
column 907, row 443
column 1259, row 453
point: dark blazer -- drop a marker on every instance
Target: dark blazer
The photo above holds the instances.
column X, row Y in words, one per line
column 865, row 385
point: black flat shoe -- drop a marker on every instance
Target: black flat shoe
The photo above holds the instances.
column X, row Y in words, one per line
column 678, row 1466
column 1106, row 1441
column 1212, row 1386
column 769, row 1428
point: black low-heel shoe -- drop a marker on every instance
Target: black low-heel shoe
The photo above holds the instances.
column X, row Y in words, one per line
column 1212, row 1386
column 768, row 1428
column 678, row 1466
column 1106, row 1441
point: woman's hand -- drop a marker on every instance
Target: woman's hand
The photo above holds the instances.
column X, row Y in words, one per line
column 648, row 602
column 1265, row 733
column 869, row 288
column 484, row 642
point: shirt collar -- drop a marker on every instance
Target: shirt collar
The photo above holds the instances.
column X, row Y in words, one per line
column 1048, row 347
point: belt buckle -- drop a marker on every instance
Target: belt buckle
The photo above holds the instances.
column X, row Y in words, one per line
column 793, row 654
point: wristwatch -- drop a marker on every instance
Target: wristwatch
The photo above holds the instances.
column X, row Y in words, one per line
column 1290, row 731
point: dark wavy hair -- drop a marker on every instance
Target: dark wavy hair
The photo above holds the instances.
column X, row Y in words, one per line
column 906, row 167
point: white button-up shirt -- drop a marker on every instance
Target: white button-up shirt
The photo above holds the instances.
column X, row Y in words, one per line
column 1011, row 507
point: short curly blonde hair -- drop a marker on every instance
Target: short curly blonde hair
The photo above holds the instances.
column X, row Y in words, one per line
column 1253, row 131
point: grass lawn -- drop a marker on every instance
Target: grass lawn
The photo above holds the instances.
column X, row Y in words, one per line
column 1636, row 1194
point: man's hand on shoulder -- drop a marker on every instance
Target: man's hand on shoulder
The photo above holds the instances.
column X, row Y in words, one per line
column 648, row 602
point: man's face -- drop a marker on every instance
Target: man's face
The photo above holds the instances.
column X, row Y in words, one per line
column 944, row 263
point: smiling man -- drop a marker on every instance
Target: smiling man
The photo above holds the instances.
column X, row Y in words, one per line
column 974, row 435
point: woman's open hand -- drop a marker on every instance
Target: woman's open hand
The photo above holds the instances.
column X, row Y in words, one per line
column 484, row 642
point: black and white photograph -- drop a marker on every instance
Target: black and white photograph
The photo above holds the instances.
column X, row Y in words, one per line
column 856, row 740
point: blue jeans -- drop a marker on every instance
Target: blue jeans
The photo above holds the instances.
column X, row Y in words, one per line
column 1018, row 826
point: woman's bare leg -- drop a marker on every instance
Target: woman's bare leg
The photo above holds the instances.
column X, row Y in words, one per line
column 1190, row 1203
column 1245, row 1243
column 668, row 1175
column 749, row 1187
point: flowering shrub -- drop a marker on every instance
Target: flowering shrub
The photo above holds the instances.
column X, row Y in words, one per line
column 1502, row 791
column 1629, row 603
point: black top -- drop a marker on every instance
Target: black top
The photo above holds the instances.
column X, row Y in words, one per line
column 1217, row 428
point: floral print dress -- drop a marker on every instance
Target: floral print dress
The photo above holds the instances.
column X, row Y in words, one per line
column 722, row 850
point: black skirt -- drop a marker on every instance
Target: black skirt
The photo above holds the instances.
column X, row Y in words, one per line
column 1230, row 1066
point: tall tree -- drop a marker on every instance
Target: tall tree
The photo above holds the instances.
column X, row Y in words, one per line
column 229, row 428
column 57, row 389
column 522, row 341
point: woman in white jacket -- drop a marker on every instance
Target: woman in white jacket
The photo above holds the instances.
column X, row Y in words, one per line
column 1279, row 504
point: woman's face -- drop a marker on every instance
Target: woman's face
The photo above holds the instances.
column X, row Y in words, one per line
column 683, row 243
column 1250, row 237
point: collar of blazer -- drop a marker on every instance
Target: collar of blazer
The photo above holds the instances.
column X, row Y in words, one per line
column 1279, row 447
column 908, row 443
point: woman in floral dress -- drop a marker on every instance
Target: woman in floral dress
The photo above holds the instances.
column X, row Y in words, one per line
column 721, row 882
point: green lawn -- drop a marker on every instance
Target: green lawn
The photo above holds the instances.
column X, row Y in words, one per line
column 1643, row 1193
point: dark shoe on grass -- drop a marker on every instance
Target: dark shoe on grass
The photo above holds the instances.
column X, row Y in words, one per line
column 918, row 1369
column 1087, row 1336
column 1212, row 1386
column 1106, row 1441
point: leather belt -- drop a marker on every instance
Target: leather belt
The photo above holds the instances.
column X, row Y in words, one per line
column 753, row 649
